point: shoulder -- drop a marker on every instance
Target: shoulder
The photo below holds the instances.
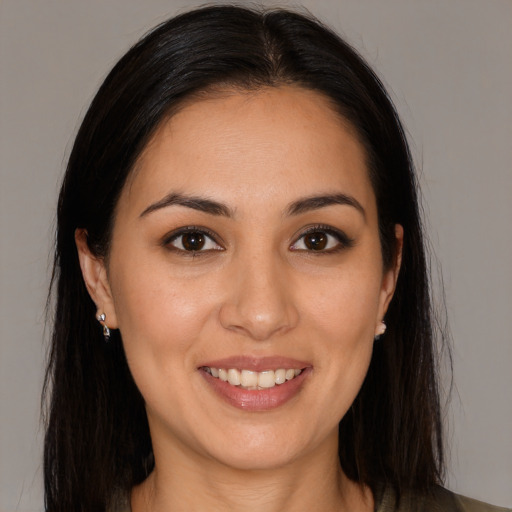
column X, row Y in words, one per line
column 464, row 504
column 440, row 500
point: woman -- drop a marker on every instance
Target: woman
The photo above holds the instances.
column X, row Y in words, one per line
column 243, row 311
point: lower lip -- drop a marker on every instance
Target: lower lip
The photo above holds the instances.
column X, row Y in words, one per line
column 257, row 400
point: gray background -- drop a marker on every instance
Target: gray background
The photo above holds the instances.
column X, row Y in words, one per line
column 447, row 63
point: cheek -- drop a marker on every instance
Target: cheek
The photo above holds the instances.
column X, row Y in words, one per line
column 341, row 315
column 158, row 314
column 161, row 321
column 346, row 303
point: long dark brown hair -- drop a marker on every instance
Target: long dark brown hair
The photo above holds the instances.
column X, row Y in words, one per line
column 97, row 438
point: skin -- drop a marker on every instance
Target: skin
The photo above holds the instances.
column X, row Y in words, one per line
column 256, row 290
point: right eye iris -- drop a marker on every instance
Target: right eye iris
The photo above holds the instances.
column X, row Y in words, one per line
column 316, row 241
column 193, row 241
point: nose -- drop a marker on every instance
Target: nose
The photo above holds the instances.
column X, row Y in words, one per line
column 260, row 303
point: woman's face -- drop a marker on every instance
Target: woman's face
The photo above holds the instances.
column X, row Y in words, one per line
column 245, row 246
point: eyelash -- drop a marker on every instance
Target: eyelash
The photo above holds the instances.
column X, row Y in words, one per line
column 344, row 242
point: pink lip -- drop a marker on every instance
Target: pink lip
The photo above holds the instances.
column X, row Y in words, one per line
column 257, row 364
column 256, row 400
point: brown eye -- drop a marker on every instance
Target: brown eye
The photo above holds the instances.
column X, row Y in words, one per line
column 189, row 240
column 316, row 241
column 193, row 241
column 322, row 240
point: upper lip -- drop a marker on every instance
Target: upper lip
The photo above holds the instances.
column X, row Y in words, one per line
column 256, row 364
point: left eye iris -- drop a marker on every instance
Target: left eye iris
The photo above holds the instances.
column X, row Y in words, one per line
column 316, row 241
column 193, row 241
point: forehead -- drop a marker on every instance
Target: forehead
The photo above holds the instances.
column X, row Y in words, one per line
column 265, row 145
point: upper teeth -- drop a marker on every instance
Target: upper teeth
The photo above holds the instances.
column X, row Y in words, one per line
column 253, row 380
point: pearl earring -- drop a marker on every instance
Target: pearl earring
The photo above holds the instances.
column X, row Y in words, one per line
column 381, row 329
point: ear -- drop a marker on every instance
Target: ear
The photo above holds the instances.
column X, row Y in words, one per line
column 95, row 277
column 390, row 276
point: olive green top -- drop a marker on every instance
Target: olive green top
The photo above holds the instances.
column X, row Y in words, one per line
column 441, row 500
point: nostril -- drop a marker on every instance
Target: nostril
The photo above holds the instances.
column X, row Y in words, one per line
column 258, row 325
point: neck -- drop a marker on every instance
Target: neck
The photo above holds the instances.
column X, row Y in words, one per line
column 314, row 483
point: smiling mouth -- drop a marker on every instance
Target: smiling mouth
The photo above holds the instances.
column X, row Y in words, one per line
column 251, row 380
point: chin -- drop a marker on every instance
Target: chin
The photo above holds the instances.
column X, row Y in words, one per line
column 256, row 460
column 260, row 449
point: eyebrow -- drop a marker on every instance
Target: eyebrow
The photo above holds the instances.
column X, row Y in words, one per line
column 321, row 201
column 195, row 202
column 212, row 207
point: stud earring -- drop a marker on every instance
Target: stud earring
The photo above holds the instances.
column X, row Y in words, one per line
column 106, row 330
column 381, row 329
